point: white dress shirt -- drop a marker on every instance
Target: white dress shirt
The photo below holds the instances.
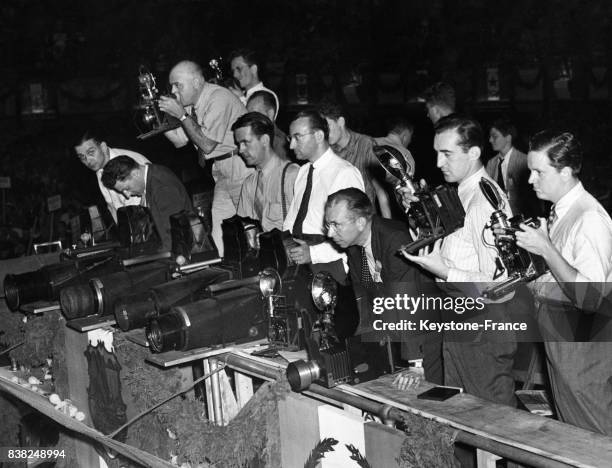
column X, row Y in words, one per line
column 582, row 234
column 331, row 173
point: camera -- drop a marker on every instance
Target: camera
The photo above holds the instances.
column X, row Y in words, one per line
column 520, row 265
column 333, row 360
column 436, row 214
column 153, row 120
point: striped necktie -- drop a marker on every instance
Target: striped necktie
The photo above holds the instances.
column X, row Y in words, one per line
column 552, row 218
column 366, row 276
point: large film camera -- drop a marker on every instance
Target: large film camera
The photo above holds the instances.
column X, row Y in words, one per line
column 436, row 214
column 332, row 359
column 520, row 265
column 152, row 120
column 46, row 283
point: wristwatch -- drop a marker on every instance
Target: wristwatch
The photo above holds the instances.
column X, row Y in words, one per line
column 183, row 117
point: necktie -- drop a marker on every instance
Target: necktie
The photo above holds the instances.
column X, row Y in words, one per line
column 500, row 176
column 301, row 216
column 366, row 276
column 552, row 218
column 259, row 197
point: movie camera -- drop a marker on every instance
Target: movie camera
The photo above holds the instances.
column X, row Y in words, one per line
column 152, row 120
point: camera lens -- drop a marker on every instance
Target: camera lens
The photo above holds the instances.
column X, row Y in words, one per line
column 301, row 374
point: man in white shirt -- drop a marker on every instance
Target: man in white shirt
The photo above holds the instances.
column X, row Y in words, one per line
column 94, row 153
column 576, row 243
column 323, row 174
column 465, row 264
column 245, row 66
column 206, row 112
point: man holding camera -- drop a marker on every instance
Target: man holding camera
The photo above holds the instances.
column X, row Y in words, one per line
column 267, row 193
column 464, row 265
column 206, row 112
column 576, row 244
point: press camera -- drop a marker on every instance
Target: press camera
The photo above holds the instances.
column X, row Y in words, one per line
column 520, row 265
column 436, row 214
column 334, row 360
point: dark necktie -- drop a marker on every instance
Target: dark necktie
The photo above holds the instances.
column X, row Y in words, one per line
column 500, row 176
column 301, row 215
column 258, row 200
column 552, row 218
column 366, row 276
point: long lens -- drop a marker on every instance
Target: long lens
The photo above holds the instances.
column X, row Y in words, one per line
column 134, row 311
column 301, row 374
column 99, row 296
column 234, row 317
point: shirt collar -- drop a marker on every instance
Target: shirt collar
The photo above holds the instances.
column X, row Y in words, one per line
column 324, row 159
column 270, row 165
column 567, row 200
column 466, row 188
column 506, row 156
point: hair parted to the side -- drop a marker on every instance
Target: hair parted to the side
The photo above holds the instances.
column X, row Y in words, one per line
column 260, row 124
column 562, row 148
column 469, row 130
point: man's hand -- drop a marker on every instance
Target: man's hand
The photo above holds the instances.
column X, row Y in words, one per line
column 407, row 196
column 407, row 380
column 432, row 261
column 534, row 240
column 301, row 253
column 171, row 106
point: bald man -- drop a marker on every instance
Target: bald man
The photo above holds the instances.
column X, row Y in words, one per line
column 206, row 112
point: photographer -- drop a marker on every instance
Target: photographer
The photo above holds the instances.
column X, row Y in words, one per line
column 463, row 260
column 576, row 244
column 206, row 112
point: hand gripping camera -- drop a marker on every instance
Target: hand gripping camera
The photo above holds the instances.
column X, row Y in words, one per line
column 521, row 266
column 154, row 120
column 436, row 214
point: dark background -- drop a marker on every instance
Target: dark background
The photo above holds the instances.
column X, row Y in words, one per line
column 375, row 56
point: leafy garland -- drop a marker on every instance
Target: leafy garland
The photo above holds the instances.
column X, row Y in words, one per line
column 180, row 428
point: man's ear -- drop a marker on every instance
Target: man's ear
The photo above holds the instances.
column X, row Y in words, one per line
column 265, row 139
column 566, row 172
column 341, row 122
column 361, row 223
column 104, row 147
column 319, row 135
column 474, row 153
column 255, row 70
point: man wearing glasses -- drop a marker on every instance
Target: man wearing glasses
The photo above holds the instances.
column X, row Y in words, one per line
column 94, row 153
column 376, row 269
column 323, row 174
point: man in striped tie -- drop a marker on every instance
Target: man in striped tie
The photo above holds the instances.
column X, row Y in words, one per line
column 576, row 243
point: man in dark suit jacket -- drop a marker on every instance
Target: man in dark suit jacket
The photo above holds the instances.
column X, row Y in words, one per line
column 162, row 192
column 376, row 269
column 509, row 169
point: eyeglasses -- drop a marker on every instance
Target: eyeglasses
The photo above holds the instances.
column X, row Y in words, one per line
column 337, row 226
column 297, row 136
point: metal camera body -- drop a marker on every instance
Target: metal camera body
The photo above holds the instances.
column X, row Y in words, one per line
column 436, row 214
column 521, row 266
column 329, row 362
column 153, row 120
column 285, row 308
